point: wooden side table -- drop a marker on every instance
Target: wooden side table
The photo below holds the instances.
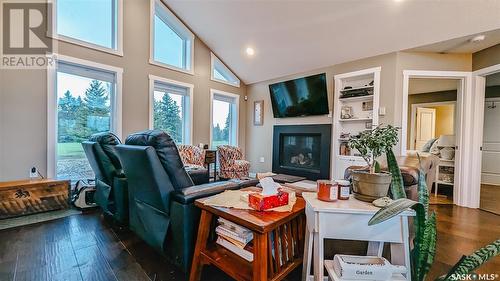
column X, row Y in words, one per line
column 275, row 234
column 211, row 158
column 348, row 219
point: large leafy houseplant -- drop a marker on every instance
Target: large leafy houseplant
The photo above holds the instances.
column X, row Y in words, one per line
column 372, row 144
column 423, row 252
column 467, row 264
column 370, row 183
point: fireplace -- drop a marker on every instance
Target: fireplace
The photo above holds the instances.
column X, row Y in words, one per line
column 302, row 150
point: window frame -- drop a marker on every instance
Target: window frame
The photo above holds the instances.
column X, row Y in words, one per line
column 188, row 110
column 236, row 109
column 215, row 60
column 178, row 27
column 116, row 105
column 118, row 32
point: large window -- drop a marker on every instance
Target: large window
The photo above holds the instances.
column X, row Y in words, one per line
column 221, row 73
column 92, row 23
column 172, row 42
column 86, row 103
column 224, row 118
column 171, row 108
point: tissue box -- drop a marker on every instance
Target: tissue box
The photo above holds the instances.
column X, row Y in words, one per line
column 261, row 202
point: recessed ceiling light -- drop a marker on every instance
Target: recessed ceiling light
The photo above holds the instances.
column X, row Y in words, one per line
column 477, row 38
column 250, row 51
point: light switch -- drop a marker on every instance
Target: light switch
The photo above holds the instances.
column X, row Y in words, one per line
column 381, row 111
column 261, row 159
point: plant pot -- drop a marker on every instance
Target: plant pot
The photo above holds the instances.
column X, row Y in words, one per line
column 369, row 187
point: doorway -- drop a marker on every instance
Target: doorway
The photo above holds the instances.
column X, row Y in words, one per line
column 460, row 191
column 431, row 123
column 490, row 170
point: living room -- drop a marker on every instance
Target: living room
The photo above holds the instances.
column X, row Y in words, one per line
column 124, row 123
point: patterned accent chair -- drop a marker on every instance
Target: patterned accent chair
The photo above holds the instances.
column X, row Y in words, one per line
column 192, row 155
column 231, row 162
column 193, row 159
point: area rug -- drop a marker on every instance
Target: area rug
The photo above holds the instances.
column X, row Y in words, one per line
column 36, row 218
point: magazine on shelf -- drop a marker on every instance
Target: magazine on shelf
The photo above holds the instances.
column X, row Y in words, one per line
column 231, row 226
column 244, row 239
column 246, row 253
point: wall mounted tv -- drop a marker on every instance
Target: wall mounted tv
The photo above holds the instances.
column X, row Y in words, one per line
column 300, row 97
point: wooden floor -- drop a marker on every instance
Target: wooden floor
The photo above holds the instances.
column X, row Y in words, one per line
column 85, row 247
column 490, row 198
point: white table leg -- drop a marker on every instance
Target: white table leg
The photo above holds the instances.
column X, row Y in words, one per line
column 318, row 257
column 406, row 241
column 375, row 248
column 306, row 267
column 400, row 252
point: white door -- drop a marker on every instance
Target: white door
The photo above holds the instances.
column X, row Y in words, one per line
column 426, row 126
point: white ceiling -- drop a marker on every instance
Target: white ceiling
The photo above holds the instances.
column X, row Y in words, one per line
column 295, row 36
column 463, row 44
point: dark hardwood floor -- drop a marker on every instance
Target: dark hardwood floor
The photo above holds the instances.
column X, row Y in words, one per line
column 85, row 247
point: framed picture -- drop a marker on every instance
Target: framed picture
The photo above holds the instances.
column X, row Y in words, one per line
column 367, row 105
column 346, row 112
column 258, row 113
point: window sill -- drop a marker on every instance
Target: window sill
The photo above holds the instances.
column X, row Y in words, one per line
column 167, row 66
column 237, row 85
column 62, row 38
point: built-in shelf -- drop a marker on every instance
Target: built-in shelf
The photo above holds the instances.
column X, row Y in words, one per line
column 446, row 163
column 356, row 89
column 353, row 106
column 444, row 182
column 355, row 119
column 353, row 99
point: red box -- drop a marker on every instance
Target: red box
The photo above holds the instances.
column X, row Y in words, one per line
column 265, row 202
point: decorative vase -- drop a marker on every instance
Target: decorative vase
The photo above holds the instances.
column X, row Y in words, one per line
column 369, row 187
column 447, row 153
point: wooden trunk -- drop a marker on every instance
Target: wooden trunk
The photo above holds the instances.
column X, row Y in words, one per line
column 25, row 197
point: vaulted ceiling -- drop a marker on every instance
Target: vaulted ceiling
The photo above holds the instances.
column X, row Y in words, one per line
column 296, row 36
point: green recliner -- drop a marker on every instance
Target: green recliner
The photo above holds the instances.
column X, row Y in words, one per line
column 161, row 195
column 111, row 184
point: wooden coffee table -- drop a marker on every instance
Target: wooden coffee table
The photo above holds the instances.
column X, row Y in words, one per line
column 276, row 234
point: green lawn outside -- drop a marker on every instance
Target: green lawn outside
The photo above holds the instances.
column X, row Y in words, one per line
column 217, row 143
column 70, row 150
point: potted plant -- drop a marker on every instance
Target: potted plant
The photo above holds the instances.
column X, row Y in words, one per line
column 370, row 183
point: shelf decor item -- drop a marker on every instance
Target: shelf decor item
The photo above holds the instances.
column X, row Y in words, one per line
column 346, row 112
column 364, row 268
column 370, row 184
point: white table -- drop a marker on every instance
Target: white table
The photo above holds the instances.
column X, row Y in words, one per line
column 348, row 219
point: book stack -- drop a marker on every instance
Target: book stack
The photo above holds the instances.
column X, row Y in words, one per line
column 235, row 238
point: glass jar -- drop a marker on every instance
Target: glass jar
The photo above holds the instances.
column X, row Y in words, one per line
column 327, row 190
column 344, row 189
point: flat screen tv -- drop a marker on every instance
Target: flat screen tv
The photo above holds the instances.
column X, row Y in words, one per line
column 300, row 97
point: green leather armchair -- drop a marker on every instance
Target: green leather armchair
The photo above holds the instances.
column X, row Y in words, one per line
column 161, row 195
column 111, row 184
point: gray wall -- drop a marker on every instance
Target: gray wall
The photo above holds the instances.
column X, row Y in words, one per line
column 23, row 95
column 259, row 138
column 486, row 57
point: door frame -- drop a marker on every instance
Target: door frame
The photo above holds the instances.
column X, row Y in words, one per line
column 426, row 104
column 463, row 193
column 479, row 87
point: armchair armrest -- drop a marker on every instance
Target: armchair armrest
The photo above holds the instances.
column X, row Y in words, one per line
column 189, row 194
